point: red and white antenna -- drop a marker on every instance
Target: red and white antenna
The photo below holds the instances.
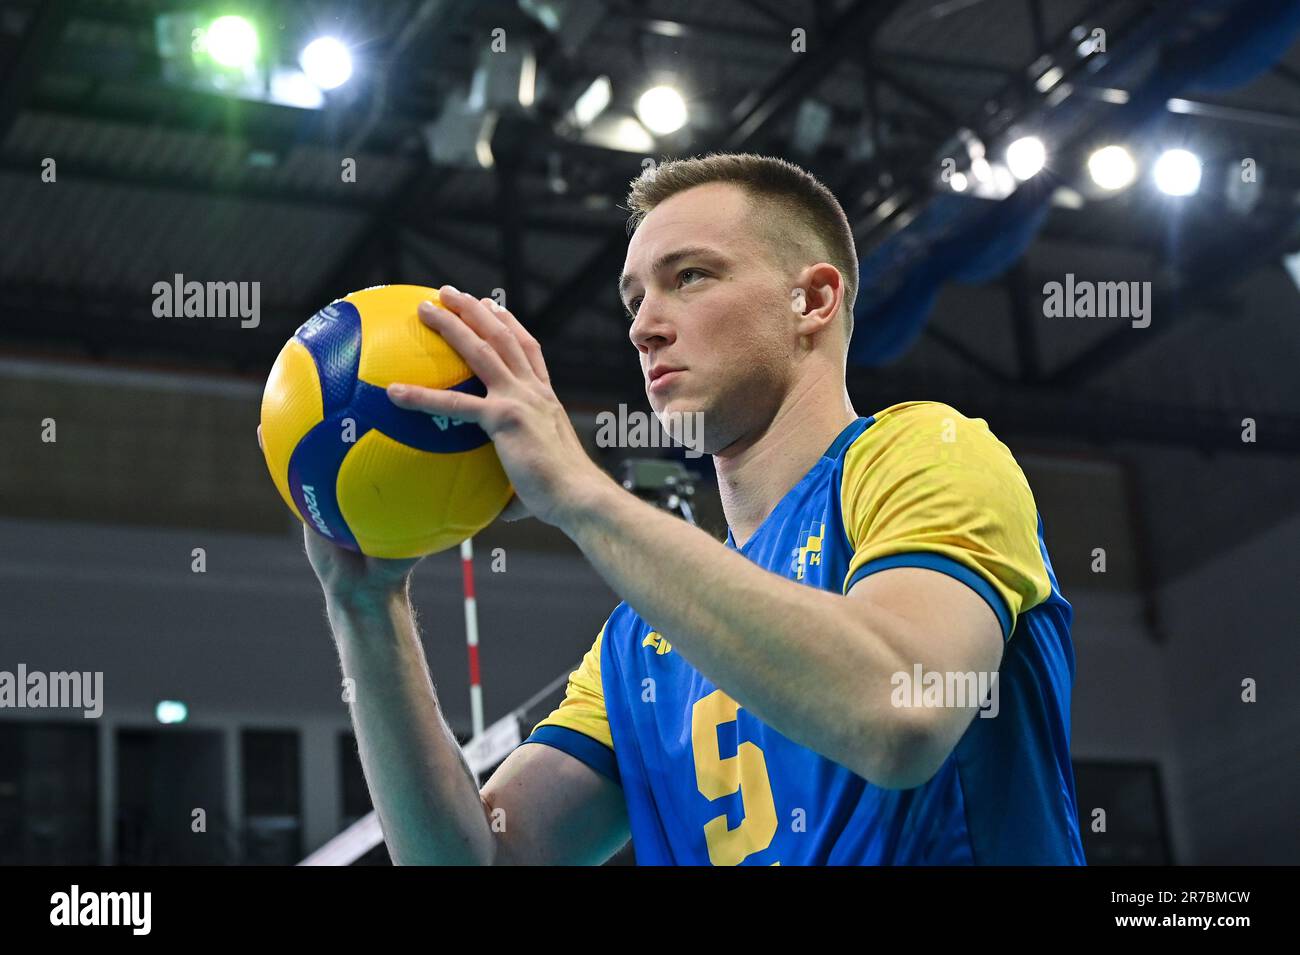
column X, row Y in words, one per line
column 471, row 638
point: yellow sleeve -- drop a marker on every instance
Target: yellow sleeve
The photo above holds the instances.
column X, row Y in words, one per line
column 925, row 486
column 583, row 707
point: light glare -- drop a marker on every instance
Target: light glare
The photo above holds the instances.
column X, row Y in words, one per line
column 232, row 42
column 661, row 110
column 327, row 62
column 1026, row 156
column 1177, row 172
column 1112, row 167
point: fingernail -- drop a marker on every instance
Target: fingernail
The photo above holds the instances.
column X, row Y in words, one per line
column 452, row 289
column 397, row 391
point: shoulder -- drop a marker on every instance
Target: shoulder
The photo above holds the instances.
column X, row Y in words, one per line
column 920, row 416
column 920, row 431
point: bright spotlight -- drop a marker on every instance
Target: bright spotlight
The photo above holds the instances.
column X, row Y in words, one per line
column 327, row 62
column 958, row 182
column 171, row 711
column 592, row 102
column 1177, row 172
column 231, row 41
column 1026, row 156
column 1112, row 167
column 661, row 110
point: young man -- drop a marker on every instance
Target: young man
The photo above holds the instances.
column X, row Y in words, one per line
column 807, row 692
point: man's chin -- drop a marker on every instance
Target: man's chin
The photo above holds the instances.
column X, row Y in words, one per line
column 684, row 421
column 676, row 408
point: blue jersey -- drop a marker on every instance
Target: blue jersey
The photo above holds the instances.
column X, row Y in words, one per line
column 917, row 485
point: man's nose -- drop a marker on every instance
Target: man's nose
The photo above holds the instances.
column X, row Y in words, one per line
column 649, row 327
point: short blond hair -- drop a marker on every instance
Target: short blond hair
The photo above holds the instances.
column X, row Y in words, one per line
column 782, row 192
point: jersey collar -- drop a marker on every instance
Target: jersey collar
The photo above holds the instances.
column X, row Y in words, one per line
column 842, row 440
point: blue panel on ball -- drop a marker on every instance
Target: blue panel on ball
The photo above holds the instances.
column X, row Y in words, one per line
column 333, row 337
column 417, row 429
column 313, row 478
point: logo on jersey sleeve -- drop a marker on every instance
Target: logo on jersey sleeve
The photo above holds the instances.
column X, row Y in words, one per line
column 656, row 640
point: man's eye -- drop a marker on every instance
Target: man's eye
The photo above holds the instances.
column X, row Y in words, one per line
column 684, row 272
column 632, row 306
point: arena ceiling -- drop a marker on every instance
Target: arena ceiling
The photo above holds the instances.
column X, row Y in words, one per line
column 156, row 179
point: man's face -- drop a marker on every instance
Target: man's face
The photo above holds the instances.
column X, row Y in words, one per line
column 712, row 318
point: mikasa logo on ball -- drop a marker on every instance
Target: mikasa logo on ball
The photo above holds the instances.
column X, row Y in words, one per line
column 325, row 317
column 443, row 422
column 313, row 508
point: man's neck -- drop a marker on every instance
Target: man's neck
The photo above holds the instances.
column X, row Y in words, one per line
column 755, row 472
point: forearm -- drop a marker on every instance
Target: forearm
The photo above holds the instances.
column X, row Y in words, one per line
column 780, row 649
column 426, row 797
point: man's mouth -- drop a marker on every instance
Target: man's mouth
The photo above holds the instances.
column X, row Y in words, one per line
column 661, row 376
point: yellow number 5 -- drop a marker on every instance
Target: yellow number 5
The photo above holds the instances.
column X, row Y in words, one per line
column 718, row 777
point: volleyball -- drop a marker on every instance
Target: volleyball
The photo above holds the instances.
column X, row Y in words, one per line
column 351, row 465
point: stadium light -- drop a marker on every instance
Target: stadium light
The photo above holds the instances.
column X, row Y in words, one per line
column 1112, row 167
column 232, row 42
column 661, row 110
column 327, row 62
column 1026, row 156
column 958, row 182
column 1177, row 172
column 592, row 102
column 171, row 711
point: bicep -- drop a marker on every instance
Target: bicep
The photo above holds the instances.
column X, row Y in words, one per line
column 941, row 622
column 935, row 621
column 546, row 807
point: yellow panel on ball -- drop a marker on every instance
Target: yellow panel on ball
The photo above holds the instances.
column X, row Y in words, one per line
column 403, row 502
column 406, row 351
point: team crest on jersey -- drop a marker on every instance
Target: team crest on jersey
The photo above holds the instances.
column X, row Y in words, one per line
column 656, row 640
column 808, row 554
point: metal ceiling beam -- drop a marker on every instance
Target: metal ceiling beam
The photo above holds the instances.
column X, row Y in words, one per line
column 78, row 170
column 357, row 255
column 1023, row 324
column 966, row 354
column 189, row 110
column 462, row 245
column 851, row 30
column 1216, row 265
column 71, row 170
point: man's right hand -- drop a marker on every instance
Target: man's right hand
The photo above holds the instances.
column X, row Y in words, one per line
column 348, row 576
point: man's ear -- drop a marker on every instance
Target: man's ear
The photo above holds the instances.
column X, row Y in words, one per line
column 816, row 298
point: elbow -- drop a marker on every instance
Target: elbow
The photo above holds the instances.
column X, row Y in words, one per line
column 914, row 749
